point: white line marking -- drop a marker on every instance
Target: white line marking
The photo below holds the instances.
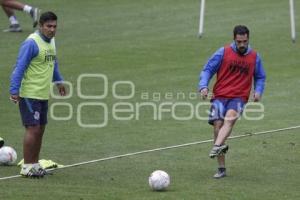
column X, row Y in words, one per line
column 161, row 149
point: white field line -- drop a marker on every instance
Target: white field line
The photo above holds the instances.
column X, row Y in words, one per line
column 161, row 149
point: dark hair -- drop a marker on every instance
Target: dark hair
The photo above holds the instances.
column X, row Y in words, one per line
column 47, row 16
column 240, row 30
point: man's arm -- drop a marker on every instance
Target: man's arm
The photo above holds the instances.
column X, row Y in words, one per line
column 58, row 80
column 259, row 79
column 27, row 52
column 56, row 74
column 210, row 68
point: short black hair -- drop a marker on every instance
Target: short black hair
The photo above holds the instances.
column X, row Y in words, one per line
column 47, row 16
column 241, row 30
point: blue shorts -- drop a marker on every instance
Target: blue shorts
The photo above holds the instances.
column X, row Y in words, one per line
column 220, row 106
column 33, row 111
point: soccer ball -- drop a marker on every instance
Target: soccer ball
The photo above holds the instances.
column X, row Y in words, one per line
column 8, row 155
column 159, row 180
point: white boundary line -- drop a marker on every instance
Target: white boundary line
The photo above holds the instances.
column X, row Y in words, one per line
column 161, row 149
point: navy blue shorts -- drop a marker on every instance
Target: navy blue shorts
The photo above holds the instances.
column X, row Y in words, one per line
column 219, row 108
column 33, row 111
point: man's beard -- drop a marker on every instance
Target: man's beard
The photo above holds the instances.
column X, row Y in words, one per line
column 242, row 51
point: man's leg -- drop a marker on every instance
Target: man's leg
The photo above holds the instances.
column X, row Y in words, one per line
column 33, row 113
column 33, row 12
column 221, row 172
column 229, row 121
column 13, row 4
column 31, row 150
column 8, row 11
column 32, row 143
column 219, row 147
column 14, row 24
column 217, row 126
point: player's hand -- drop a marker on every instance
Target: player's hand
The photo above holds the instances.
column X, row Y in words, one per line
column 61, row 89
column 14, row 98
column 204, row 93
column 256, row 97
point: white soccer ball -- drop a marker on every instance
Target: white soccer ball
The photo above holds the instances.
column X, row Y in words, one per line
column 159, row 180
column 8, row 155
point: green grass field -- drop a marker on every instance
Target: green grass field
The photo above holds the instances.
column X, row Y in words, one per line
column 154, row 45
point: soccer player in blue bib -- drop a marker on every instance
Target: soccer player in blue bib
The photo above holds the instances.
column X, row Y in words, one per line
column 35, row 69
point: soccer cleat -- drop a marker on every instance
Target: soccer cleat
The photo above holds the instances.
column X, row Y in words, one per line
column 218, row 150
column 224, row 151
column 43, row 172
column 32, row 172
column 35, row 14
column 13, row 28
column 221, row 173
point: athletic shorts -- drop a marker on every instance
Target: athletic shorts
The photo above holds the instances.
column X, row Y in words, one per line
column 219, row 107
column 33, row 111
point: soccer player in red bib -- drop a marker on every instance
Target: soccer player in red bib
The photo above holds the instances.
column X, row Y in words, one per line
column 237, row 66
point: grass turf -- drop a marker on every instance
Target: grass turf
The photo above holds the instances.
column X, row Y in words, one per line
column 154, row 44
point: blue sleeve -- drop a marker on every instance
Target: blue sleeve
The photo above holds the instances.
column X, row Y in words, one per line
column 211, row 67
column 27, row 52
column 56, row 75
column 259, row 76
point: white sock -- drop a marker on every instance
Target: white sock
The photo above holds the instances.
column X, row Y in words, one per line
column 221, row 166
column 36, row 165
column 27, row 8
column 26, row 166
column 13, row 20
